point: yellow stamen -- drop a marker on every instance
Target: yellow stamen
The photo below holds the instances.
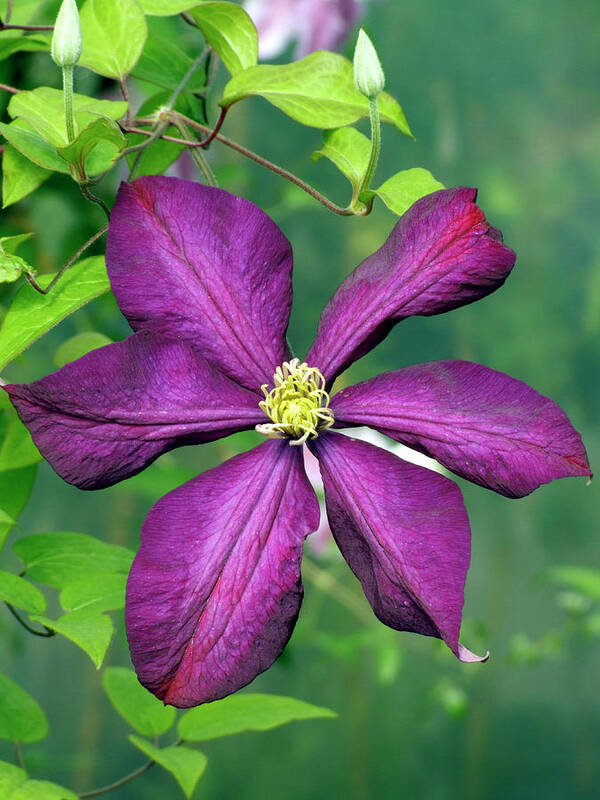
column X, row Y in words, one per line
column 298, row 403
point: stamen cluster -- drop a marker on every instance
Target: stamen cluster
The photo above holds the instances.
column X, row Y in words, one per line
column 298, row 403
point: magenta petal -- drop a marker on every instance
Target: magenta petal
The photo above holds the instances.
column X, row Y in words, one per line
column 197, row 263
column 441, row 254
column 484, row 425
column 108, row 415
column 214, row 591
column 404, row 532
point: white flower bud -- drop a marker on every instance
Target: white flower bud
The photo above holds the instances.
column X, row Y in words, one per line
column 368, row 73
column 66, row 41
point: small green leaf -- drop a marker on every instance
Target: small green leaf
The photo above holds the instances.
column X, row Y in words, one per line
column 184, row 764
column 95, row 150
column 245, row 712
column 404, row 188
column 10, row 244
column 20, row 176
column 12, row 267
column 100, row 591
column 88, row 629
column 164, row 64
column 32, row 314
column 42, row 790
column 136, row 705
column 20, row 593
column 11, row 777
column 78, row 346
column 317, row 90
column 58, row 559
column 580, row 579
column 43, row 108
column 21, row 718
column 32, row 146
column 114, row 33
column 19, row 43
column 229, row 30
column 349, row 150
column 15, row 488
column 166, row 8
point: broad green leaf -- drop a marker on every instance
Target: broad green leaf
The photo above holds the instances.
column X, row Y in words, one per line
column 99, row 591
column 20, row 593
column 20, row 176
column 580, row 579
column 114, row 33
column 10, row 244
column 229, row 30
column 349, row 150
column 96, row 149
column 166, row 8
column 88, row 629
column 164, row 64
column 34, row 147
column 17, row 449
column 184, row 764
column 404, row 188
column 58, row 559
column 78, row 346
column 245, row 712
column 42, row 790
column 43, row 108
column 317, row 90
column 15, row 43
column 11, row 777
column 32, row 314
column 21, row 718
column 136, row 705
column 15, row 488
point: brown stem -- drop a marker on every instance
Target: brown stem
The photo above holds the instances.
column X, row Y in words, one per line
column 5, row 27
column 104, row 789
column 8, row 88
column 125, row 93
column 69, row 263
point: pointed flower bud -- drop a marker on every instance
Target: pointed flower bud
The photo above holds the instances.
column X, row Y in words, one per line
column 368, row 73
column 66, row 41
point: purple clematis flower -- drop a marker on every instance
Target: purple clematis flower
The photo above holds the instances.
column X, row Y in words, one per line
column 204, row 279
column 312, row 24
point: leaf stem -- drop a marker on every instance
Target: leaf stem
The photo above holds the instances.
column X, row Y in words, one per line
column 375, row 146
column 201, row 162
column 67, row 73
column 8, row 88
column 94, row 199
column 4, row 26
column 125, row 93
column 46, row 633
column 70, row 262
column 121, row 782
column 19, row 755
column 186, row 78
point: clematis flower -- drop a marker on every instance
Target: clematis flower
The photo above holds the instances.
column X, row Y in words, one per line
column 312, row 24
column 204, row 279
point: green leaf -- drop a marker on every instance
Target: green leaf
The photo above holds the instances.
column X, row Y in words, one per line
column 21, row 718
column 88, row 629
column 20, row 593
column 11, row 777
column 349, row 150
column 33, row 146
column 317, row 90
column 136, row 705
column 17, row 449
column 78, row 346
column 114, row 33
column 15, row 488
column 155, row 159
column 245, row 712
column 32, row 314
column 580, row 579
column 184, row 764
column 404, row 188
column 100, row 591
column 19, row 43
column 96, row 149
column 229, row 30
column 166, row 8
column 42, row 790
column 58, row 559
column 20, row 176
column 12, row 267
column 164, row 64
column 10, row 244
column 43, row 108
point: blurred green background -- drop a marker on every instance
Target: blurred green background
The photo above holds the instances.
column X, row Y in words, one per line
column 503, row 96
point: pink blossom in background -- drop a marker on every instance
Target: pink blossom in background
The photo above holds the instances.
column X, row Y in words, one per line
column 312, row 24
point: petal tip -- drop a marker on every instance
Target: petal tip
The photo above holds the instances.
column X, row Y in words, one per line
column 467, row 657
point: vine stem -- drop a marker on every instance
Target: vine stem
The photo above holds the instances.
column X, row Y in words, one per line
column 94, row 199
column 8, row 88
column 4, row 26
column 46, row 633
column 69, row 263
column 19, row 755
column 125, row 93
column 201, row 162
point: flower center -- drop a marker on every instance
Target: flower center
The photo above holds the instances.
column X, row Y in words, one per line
column 298, row 404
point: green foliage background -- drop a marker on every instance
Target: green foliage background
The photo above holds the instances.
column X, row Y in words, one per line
column 503, row 96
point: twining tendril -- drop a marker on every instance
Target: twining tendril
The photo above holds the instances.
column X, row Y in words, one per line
column 298, row 404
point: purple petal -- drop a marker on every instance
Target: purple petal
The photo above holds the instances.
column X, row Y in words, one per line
column 108, row 415
column 214, row 591
column 485, row 426
column 441, row 254
column 196, row 263
column 404, row 532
